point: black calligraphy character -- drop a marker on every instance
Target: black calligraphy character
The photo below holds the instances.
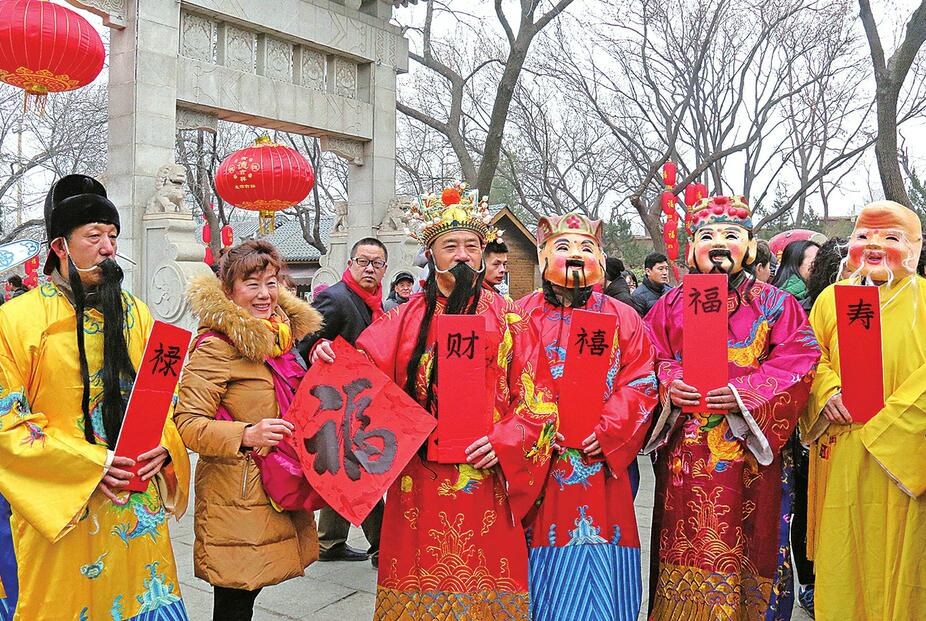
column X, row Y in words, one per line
column 358, row 452
column 582, row 341
column 710, row 302
column 165, row 362
column 324, row 443
column 598, row 345
column 861, row 312
column 461, row 346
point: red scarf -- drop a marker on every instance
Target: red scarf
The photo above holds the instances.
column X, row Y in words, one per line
column 374, row 301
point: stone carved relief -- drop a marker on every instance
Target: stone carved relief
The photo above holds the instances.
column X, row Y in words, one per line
column 167, row 295
column 240, row 49
column 345, row 78
column 340, row 210
column 313, row 69
column 193, row 119
column 278, row 62
column 385, row 48
column 396, row 216
column 350, row 150
column 197, row 38
column 113, row 12
column 169, row 193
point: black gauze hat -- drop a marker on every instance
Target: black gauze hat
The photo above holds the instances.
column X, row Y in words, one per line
column 73, row 201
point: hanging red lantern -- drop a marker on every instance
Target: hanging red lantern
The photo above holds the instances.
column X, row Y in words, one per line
column 668, row 203
column 207, row 233
column 669, row 174
column 208, row 259
column 47, row 48
column 32, row 265
column 228, row 236
column 670, row 237
column 266, row 177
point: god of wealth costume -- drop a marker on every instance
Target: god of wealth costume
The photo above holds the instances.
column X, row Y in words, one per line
column 584, row 546
column 867, row 517
column 721, row 519
column 69, row 552
column 456, row 547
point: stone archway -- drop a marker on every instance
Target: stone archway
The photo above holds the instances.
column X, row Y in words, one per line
column 326, row 68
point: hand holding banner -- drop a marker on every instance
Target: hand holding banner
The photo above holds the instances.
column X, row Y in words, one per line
column 151, row 396
column 355, row 431
column 704, row 338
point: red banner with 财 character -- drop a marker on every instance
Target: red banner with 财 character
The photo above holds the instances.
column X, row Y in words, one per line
column 355, row 431
column 461, row 370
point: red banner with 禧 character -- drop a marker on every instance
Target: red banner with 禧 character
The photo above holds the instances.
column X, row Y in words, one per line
column 151, row 396
column 858, row 324
column 461, row 371
column 355, row 431
column 704, row 337
column 582, row 387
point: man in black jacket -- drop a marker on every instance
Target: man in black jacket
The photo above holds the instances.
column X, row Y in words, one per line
column 617, row 287
column 349, row 307
column 655, row 283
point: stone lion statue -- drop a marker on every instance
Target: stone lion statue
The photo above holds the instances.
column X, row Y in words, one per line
column 340, row 212
column 169, row 194
column 396, row 217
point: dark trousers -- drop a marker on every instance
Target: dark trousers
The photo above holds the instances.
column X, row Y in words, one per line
column 333, row 529
column 232, row 604
column 803, row 565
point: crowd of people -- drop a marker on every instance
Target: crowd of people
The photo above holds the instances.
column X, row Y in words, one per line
column 755, row 479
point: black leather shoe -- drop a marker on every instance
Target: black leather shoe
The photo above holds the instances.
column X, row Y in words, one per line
column 343, row 553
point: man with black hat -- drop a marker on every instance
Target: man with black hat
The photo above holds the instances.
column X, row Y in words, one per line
column 72, row 543
column 400, row 291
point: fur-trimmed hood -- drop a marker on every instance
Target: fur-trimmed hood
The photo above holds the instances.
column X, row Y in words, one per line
column 251, row 337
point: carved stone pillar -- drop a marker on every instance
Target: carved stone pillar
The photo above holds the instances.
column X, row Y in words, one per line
column 173, row 257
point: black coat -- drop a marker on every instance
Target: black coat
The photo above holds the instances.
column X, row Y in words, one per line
column 344, row 313
column 619, row 290
column 649, row 293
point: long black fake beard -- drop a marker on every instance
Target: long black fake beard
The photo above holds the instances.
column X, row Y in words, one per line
column 463, row 300
column 579, row 294
column 117, row 364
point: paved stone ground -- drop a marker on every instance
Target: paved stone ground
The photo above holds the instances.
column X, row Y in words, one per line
column 346, row 591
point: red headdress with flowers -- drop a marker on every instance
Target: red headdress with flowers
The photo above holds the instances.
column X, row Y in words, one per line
column 721, row 210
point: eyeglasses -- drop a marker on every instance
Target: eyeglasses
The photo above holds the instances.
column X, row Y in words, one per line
column 362, row 262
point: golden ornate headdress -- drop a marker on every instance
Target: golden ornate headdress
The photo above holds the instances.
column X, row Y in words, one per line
column 457, row 208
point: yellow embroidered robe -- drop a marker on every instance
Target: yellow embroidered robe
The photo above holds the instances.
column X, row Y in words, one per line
column 867, row 517
column 79, row 555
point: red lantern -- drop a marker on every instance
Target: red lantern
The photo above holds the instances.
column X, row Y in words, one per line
column 207, row 233
column 668, row 203
column 32, row 265
column 670, row 236
column 266, row 177
column 47, row 48
column 228, row 236
column 669, row 173
column 208, row 258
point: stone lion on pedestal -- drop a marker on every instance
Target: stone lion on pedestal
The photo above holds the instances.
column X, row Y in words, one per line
column 169, row 194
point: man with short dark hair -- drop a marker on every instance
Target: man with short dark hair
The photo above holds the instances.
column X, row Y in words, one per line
column 655, row 282
column 763, row 268
column 400, row 290
column 348, row 307
column 17, row 287
column 495, row 259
